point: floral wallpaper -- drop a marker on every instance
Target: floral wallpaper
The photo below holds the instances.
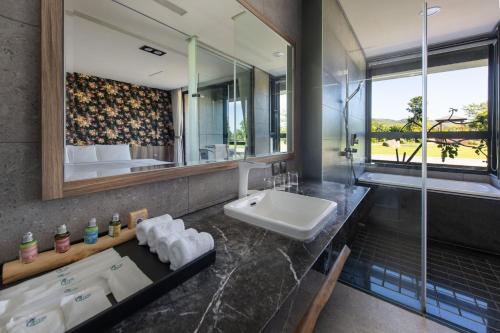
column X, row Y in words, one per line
column 103, row 111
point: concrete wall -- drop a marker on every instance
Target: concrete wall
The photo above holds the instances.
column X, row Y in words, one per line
column 20, row 183
column 312, row 120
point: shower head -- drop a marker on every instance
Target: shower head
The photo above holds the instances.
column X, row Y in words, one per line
column 355, row 92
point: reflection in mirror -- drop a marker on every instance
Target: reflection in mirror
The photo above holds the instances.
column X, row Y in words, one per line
column 169, row 90
column 219, row 131
column 272, row 60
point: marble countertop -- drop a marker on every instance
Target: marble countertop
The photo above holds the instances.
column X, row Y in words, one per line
column 253, row 275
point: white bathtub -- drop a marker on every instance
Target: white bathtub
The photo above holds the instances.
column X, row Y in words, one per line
column 433, row 184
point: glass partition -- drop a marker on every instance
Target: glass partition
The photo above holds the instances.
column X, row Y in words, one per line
column 379, row 77
column 462, row 256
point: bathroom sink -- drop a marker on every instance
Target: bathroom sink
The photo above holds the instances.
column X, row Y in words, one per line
column 293, row 215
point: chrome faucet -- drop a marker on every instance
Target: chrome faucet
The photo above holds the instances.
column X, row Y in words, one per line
column 244, row 168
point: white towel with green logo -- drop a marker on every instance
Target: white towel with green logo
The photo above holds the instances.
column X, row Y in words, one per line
column 125, row 279
column 47, row 320
column 83, row 305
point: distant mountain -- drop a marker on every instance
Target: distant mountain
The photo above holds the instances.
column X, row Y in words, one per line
column 389, row 122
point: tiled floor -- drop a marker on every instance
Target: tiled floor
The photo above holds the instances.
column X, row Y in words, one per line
column 463, row 286
column 352, row 311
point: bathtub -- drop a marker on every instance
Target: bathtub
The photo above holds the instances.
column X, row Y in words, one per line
column 461, row 213
column 433, row 184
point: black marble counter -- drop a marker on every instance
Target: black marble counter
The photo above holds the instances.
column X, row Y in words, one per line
column 254, row 273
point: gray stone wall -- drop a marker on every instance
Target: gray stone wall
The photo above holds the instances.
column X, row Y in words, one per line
column 341, row 53
column 21, row 208
column 332, row 51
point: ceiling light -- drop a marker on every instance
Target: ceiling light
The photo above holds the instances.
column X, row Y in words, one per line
column 171, row 6
column 278, row 54
column 152, row 50
column 432, row 10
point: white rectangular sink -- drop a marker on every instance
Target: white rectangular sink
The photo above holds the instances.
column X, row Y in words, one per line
column 293, row 215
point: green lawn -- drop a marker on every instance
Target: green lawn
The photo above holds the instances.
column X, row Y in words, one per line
column 432, row 151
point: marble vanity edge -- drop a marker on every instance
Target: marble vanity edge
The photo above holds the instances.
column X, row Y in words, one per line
column 332, row 237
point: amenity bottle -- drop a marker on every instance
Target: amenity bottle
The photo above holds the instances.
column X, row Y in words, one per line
column 91, row 232
column 28, row 249
column 115, row 226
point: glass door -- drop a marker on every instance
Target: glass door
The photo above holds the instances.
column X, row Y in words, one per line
column 463, row 259
column 383, row 144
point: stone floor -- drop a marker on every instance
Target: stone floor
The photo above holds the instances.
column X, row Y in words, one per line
column 463, row 286
column 350, row 310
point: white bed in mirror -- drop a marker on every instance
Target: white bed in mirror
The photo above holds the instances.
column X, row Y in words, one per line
column 93, row 161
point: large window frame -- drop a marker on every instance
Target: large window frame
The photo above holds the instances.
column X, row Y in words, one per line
column 485, row 48
column 277, row 85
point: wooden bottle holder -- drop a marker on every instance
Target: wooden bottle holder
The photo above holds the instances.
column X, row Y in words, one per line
column 15, row 270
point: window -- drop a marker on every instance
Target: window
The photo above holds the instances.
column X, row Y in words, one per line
column 458, row 114
column 279, row 115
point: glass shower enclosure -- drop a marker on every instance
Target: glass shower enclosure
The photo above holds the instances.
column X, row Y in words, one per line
column 381, row 82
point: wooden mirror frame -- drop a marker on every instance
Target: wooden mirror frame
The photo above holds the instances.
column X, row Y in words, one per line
column 52, row 119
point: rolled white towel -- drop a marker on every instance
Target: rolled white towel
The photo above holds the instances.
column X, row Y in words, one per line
column 143, row 227
column 182, row 251
column 162, row 229
column 186, row 249
column 164, row 243
column 205, row 242
column 157, row 225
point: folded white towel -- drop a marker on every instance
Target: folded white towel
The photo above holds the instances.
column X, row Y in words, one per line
column 186, row 249
column 46, row 320
column 125, row 279
column 163, row 243
column 163, row 228
column 141, row 231
column 83, row 305
column 86, row 265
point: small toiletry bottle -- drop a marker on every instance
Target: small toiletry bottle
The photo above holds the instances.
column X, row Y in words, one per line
column 61, row 239
column 115, row 226
column 91, row 232
column 28, row 250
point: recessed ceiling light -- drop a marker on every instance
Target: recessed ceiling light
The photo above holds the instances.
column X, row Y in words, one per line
column 432, row 10
column 278, row 54
column 152, row 50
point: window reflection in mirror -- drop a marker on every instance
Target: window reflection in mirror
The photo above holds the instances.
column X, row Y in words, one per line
column 272, row 60
column 147, row 88
column 219, row 132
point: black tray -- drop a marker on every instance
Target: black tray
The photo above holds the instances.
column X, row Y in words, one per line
column 164, row 279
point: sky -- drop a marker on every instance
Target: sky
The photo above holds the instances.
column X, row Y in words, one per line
column 239, row 115
column 446, row 89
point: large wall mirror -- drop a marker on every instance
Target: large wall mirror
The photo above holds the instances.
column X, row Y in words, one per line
column 155, row 85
